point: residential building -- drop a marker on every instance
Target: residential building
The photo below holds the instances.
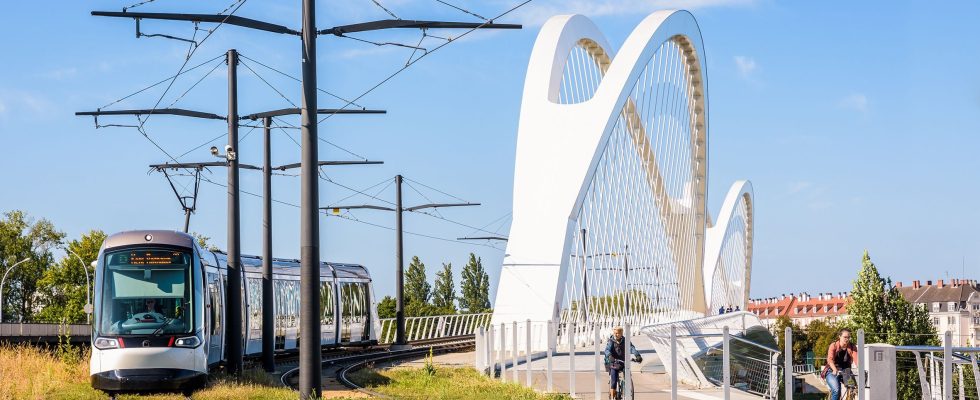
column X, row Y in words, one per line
column 801, row 309
column 952, row 307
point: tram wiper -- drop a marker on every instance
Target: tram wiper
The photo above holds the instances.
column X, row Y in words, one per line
column 166, row 322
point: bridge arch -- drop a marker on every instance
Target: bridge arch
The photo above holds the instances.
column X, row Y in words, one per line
column 609, row 218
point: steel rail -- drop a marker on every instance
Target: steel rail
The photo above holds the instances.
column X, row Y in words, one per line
column 437, row 345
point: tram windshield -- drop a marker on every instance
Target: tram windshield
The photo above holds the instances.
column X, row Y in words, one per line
column 147, row 292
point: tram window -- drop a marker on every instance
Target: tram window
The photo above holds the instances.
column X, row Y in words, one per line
column 254, row 303
column 326, row 303
column 215, row 302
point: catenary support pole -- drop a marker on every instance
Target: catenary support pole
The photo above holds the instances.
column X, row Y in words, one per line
column 310, row 373
column 400, row 341
column 788, row 362
column 233, row 309
column 268, row 329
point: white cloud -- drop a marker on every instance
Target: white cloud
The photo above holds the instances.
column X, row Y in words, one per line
column 746, row 66
column 855, row 101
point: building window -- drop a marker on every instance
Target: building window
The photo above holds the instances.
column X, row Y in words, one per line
column 935, row 321
column 976, row 307
column 935, row 307
column 951, row 306
column 950, row 320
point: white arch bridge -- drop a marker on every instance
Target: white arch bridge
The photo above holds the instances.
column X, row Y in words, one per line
column 609, row 218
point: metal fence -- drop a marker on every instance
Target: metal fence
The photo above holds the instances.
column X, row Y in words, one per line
column 733, row 360
column 434, row 327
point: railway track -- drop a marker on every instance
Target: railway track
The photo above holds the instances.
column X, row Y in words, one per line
column 337, row 369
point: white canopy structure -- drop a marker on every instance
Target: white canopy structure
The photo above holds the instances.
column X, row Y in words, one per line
column 609, row 217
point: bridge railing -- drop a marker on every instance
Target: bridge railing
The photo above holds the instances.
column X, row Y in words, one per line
column 44, row 330
column 434, row 327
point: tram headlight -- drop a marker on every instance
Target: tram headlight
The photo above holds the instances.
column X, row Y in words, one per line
column 106, row 343
column 190, row 341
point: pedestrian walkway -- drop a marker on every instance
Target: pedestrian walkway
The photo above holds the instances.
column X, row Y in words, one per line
column 650, row 380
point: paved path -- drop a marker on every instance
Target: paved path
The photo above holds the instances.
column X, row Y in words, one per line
column 649, row 378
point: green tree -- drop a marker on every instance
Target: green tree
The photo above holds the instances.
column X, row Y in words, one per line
column 64, row 285
column 204, row 242
column 475, row 287
column 444, row 293
column 417, row 288
column 800, row 341
column 386, row 307
column 821, row 334
column 23, row 238
column 886, row 317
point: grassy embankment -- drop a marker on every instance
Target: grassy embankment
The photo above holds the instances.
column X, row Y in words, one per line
column 444, row 383
column 32, row 373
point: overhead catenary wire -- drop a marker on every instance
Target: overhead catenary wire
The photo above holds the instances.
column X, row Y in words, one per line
column 377, row 3
column 462, row 10
column 161, row 82
column 299, row 80
column 268, row 84
column 341, row 148
column 354, row 219
column 413, row 62
column 190, row 53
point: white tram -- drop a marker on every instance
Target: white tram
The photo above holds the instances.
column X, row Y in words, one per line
column 160, row 310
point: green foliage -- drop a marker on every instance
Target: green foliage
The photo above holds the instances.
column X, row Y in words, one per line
column 68, row 354
column 204, row 242
column 475, row 287
column 417, row 288
column 444, row 294
column 387, row 307
column 21, row 237
column 821, row 334
column 800, row 340
column 429, row 368
column 886, row 317
column 64, row 285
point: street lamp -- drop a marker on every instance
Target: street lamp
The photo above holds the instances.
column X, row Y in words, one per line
column 88, row 287
column 4, row 279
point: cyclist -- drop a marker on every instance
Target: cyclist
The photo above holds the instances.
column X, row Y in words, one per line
column 615, row 358
column 840, row 355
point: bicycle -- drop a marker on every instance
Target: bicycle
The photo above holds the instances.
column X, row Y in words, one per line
column 620, row 367
column 848, row 384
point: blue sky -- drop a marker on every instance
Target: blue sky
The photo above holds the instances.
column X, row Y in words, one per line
column 856, row 122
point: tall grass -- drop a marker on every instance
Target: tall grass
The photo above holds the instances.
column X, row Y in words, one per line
column 28, row 372
column 444, row 383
